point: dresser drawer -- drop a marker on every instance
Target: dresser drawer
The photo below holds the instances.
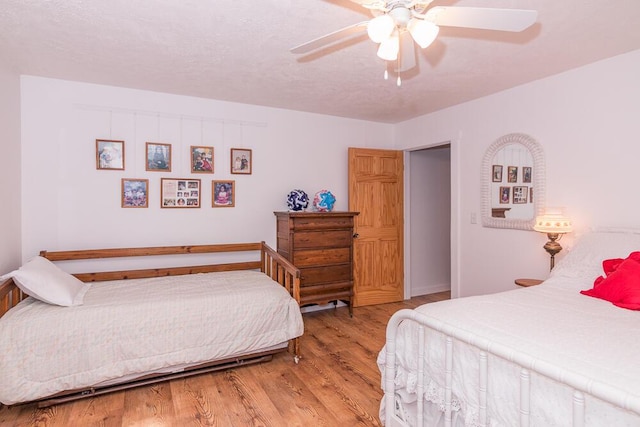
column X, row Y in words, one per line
column 319, row 257
column 322, row 239
column 322, row 222
column 315, row 275
column 322, row 294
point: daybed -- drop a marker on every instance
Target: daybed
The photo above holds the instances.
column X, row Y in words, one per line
column 541, row 356
column 135, row 327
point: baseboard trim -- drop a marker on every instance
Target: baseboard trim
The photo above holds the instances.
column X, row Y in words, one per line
column 426, row 290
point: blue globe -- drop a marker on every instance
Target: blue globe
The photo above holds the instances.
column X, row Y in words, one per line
column 297, row 200
column 324, row 201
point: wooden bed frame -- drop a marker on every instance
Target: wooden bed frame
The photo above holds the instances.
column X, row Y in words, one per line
column 270, row 263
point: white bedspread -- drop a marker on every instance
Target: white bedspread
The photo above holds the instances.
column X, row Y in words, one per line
column 551, row 322
column 134, row 326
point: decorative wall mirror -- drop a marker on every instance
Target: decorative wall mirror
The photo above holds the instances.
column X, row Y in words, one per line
column 513, row 182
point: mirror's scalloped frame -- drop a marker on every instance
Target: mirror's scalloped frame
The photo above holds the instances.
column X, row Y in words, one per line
column 538, row 181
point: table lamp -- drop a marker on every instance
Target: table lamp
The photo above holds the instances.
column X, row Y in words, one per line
column 555, row 224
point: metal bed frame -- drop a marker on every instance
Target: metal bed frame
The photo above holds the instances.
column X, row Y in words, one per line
column 581, row 385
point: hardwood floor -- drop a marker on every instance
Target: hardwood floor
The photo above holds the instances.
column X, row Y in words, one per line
column 336, row 383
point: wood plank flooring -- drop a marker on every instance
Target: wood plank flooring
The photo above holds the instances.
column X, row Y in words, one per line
column 336, row 383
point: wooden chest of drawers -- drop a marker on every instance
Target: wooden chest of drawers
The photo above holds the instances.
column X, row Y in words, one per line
column 320, row 244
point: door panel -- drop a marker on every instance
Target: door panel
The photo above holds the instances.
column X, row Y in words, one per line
column 376, row 189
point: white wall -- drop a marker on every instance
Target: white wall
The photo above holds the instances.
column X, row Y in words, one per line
column 68, row 204
column 10, row 244
column 585, row 119
column 430, row 219
column 587, row 122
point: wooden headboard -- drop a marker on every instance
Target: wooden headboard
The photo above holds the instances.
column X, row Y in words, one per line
column 270, row 263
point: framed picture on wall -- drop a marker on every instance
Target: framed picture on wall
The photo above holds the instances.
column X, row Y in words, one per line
column 530, row 194
column 223, row 194
column 180, row 193
column 158, row 157
column 512, row 174
column 135, row 193
column 201, row 159
column 241, row 161
column 109, row 154
column 496, row 176
column 526, row 174
column 520, row 195
column 505, row 195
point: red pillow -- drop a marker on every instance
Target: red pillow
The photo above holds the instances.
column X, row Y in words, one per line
column 621, row 286
column 611, row 265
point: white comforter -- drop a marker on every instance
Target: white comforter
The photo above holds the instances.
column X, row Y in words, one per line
column 136, row 326
column 552, row 323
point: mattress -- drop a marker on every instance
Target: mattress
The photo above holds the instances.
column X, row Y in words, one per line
column 127, row 327
column 552, row 323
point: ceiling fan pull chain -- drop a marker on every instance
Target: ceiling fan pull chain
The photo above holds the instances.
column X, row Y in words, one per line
column 386, row 70
column 399, row 80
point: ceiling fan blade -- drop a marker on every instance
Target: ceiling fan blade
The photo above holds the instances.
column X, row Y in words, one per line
column 330, row 38
column 372, row 4
column 482, row 18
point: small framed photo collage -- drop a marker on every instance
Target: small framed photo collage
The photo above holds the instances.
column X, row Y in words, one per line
column 174, row 192
column 519, row 176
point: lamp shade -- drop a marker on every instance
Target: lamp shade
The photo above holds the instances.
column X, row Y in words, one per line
column 553, row 221
column 390, row 47
column 423, row 32
column 380, row 28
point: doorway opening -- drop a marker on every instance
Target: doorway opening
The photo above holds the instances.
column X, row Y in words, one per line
column 428, row 262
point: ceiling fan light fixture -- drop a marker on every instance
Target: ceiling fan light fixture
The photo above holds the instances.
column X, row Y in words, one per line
column 423, row 32
column 390, row 47
column 380, row 28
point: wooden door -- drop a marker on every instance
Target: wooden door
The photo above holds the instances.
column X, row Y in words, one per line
column 376, row 190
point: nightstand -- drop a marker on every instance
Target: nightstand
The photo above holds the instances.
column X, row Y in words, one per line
column 528, row 282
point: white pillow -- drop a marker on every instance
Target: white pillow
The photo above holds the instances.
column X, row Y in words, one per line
column 43, row 280
column 584, row 260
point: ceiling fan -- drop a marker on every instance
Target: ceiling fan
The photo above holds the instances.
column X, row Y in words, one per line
column 394, row 19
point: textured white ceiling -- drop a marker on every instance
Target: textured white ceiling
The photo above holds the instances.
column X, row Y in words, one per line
column 239, row 50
